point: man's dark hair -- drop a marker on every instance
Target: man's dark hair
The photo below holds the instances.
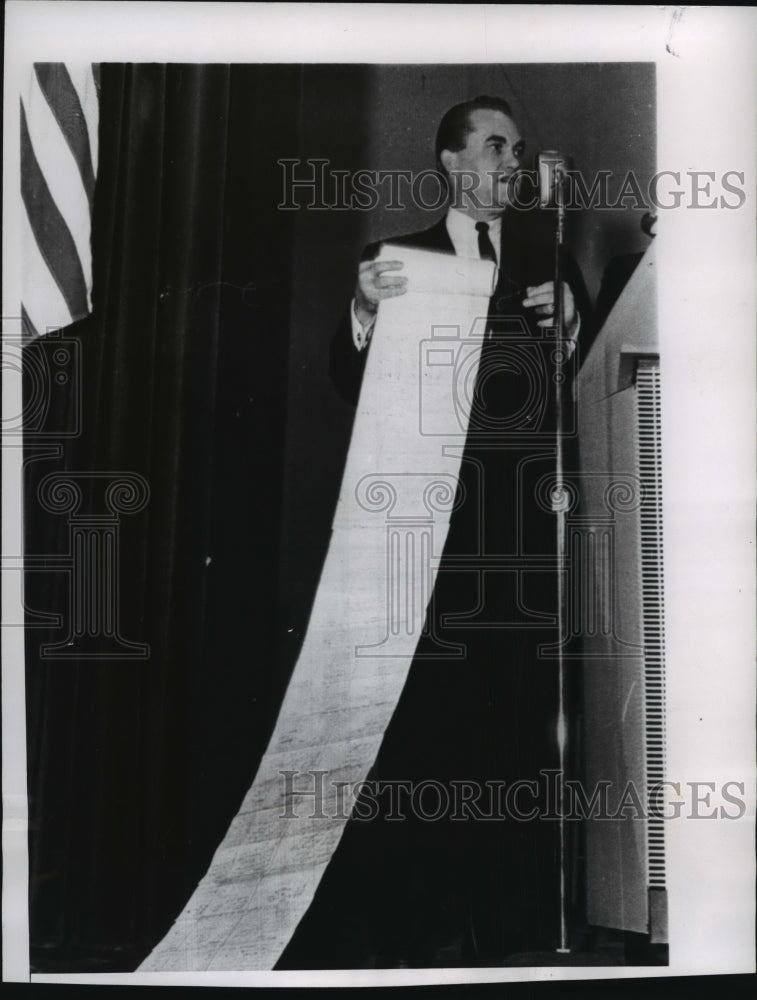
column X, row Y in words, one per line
column 454, row 127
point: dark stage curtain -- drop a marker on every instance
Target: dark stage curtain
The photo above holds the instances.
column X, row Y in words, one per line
column 136, row 766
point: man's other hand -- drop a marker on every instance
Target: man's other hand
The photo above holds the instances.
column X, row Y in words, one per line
column 542, row 299
column 375, row 284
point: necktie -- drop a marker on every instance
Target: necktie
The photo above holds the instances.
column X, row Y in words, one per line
column 486, row 252
column 485, row 248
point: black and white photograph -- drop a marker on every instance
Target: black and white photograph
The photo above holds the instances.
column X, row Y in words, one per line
column 378, row 501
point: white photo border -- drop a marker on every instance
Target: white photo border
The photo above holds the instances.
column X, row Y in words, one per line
column 707, row 298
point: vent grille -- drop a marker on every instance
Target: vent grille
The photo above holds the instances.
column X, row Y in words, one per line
column 650, row 472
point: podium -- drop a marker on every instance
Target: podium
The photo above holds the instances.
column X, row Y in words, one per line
column 615, row 563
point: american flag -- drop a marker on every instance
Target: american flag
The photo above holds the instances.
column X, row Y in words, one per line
column 59, row 121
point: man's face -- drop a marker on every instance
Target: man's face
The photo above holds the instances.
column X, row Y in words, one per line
column 480, row 171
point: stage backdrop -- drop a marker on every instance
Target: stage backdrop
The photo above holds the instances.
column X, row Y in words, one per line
column 136, row 766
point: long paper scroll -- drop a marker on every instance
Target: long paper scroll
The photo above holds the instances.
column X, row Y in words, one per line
column 389, row 530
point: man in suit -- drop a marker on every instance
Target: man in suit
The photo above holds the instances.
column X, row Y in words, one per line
column 465, row 889
column 479, row 149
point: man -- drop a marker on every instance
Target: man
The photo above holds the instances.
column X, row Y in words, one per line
column 479, row 149
column 467, row 889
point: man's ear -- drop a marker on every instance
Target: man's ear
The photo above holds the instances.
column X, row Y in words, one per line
column 448, row 160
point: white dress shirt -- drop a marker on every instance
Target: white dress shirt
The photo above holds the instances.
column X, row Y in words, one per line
column 464, row 235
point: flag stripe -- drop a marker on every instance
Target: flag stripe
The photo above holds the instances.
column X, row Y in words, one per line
column 88, row 88
column 60, row 93
column 58, row 166
column 51, row 233
column 30, row 331
column 43, row 301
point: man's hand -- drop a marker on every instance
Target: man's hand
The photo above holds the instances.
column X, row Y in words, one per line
column 542, row 298
column 374, row 284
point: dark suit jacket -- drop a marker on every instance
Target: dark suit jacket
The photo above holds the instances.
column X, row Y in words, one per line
column 527, row 258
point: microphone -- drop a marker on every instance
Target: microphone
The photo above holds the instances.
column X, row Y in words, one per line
column 551, row 166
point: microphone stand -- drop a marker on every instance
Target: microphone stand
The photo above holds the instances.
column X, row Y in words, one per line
column 560, row 505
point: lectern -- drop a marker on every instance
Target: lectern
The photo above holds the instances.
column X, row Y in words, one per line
column 614, row 548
